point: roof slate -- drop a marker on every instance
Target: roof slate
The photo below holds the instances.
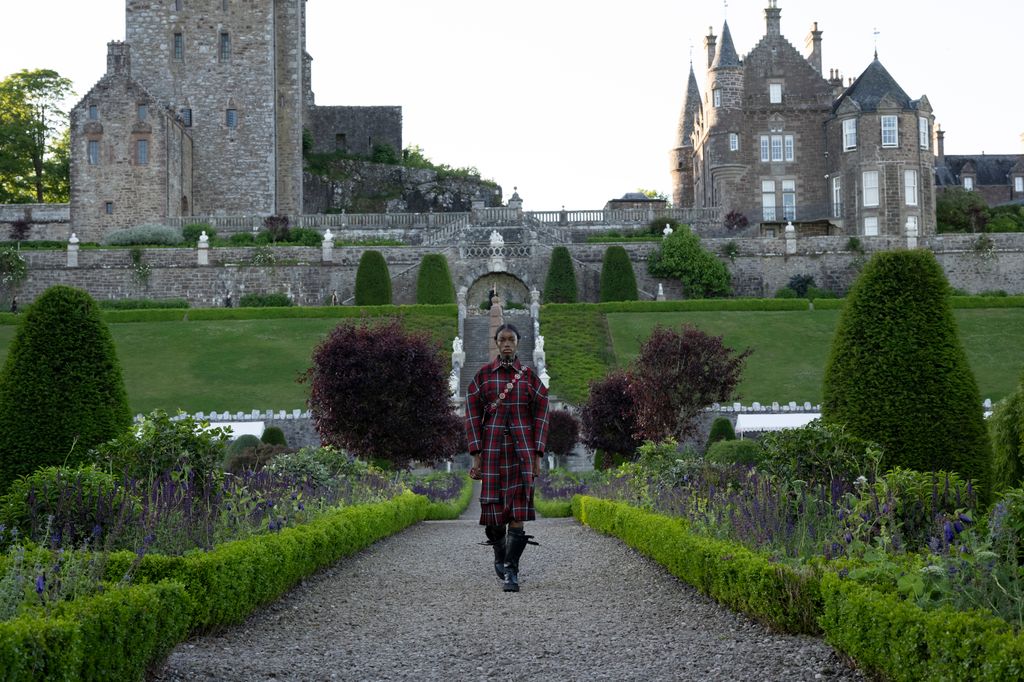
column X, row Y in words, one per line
column 871, row 87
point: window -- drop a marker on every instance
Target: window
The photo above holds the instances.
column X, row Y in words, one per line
column 910, row 186
column 94, row 152
column 225, row 46
column 968, row 183
column 179, row 46
column 141, row 152
column 764, row 148
column 775, row 93
column 870, row 188
column 776, row 147
column 231, row 118
column 837, row 197
column 789, row 147
column 94, row 112
column 922, row 132
column 716, row 97
column 789, row 199
column 186, row 116
column 890, row 137
column 142, row 110
column 768, row 199
column 871, row 227
column 108, row 207
column 734, row 142
column 1018, row 184
column 849, row 134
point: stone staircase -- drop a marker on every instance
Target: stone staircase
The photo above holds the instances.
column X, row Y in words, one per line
column 477, row 343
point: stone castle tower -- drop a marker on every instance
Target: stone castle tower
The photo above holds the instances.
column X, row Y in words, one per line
column 767, row 141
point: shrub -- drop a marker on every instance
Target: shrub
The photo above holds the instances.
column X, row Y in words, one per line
column 143, row 304
column 241, row 239
column 733, row 452
column 61, row 390
column 246, row 441
column 159, row 444
column 814, row 293
column 560, row 285
column 278, row 300
column 305, row 237
column 434, row 282
column 618, row 282
column 191, row 233
column 1006, row 430
column 276, row 227
column 682, row 257
column 144, row 235
column 721, row 429
column 898, row 374
column 563, row 432
column 608, row 419
column 819, row 452
column 786, row 292
column 958, row 210
column 272, row 435
column 378, row 391
column 800, row 284
column 252, row 458
column 677, row 374
column 735, row 220
column 1006, row 525
column 373, row 282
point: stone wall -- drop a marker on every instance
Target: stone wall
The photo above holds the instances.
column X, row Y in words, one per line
column 355, row 130
column 46, row 222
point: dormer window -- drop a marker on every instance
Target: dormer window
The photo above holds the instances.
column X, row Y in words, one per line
column 922, row 132
column 969, row 182
column 890, row 134
column 775, row 93
column 1018, row 183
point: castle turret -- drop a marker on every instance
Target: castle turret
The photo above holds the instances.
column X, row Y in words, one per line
column 681, row 158
column 725, row 78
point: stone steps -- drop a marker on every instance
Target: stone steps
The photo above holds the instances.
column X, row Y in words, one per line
column 477, row 344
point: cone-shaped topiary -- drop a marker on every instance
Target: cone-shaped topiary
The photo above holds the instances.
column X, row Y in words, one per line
column 721, row 429
column 61, row 390
column 434, row 283
column 618, row 281
column 560, row 286
column 373, row 282
column 898, row 374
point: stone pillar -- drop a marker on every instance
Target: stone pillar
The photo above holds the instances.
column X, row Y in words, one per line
column 790, row 239
column 535, row 305
column 73, row 251
column 327, row 247
column 203, row 249
column 912, row 234
column 661, row 293
column 460, row 298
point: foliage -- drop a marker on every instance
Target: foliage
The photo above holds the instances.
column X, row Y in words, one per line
column 721, row 429
column 317, row 464
column 191, row 233
column 246, row 441
column 746, row 452
column 413, row 156
column 898, row 373
column 273, row 435
column 449, row 493
column 13, row 271
column 304, row 236
column 144, row 235
column 959, row 210
column 735, row 220
column 819, row 452
column 1006, row 526
column 1006, row 431
column 241, row 239
column 383, row 153
column 560, row 285
column 677, row 374
column 143, row 304
column 277, row 227
column 159, row 444
column 682, row 257
column 263, row 256
column 141, row 270
column 563, row 432
column 382, row 392
column 608, row 419
column 618, row 281
column 434, row 281
column 34, row 147
column 278, row 300
column 1008, row 218
column 731, row 250
column 373, row 282
column 800, row 284
column 61, row 390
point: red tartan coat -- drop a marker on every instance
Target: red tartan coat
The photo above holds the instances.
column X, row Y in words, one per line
column 524, row 409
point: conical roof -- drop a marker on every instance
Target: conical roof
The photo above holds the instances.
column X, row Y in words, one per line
column 871, row 87
column 691, row 106
column 725, row 55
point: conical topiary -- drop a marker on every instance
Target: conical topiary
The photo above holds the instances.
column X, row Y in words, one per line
column 560, row 285
column 434, row 282
column 618, row 281
column 373, row 282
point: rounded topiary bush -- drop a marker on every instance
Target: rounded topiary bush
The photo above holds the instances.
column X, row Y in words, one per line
column 61, row 390
column 373, row 283
column 244, row 442
column 721, row 429
column 618, row 281
column 733, row 452
column 560, row 285
column 434, row 282
column 272, row 435
column 898, row 375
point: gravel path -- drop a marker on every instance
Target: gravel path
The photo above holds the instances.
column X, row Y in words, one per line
column 425, row 605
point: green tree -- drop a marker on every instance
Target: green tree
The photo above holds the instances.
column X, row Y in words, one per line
column 33, row 137
column 618, row 281
column 958, row 210
column 373, row 282
column 682, row 257
column 560, row 285
column 898, row 375
column 61, row 391
column 1006, row 428
column 652, row 194
column 434, row 282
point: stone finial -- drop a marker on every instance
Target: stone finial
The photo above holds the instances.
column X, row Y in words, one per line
column 667, row 231
column 661, row 292
column 74, row 239
column 534, row 295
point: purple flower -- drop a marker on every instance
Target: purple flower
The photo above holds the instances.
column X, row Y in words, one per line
column 966, row 519
column 947, row 530
column 40, row 584
column 958, row 526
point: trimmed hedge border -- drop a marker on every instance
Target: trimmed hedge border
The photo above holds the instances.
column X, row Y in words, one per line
column 339, row 312
column 885, row 635
column 448, row 511
column 552, row 509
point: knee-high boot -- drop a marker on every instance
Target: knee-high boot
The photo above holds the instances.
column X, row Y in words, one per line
column 515, row 543
column 496, row 539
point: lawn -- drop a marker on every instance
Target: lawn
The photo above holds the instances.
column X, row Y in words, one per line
column 791, row 347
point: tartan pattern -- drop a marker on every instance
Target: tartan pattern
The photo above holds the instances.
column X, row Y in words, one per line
column 524, row 411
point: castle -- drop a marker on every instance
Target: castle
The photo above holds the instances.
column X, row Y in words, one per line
column 203, row 110
column 774, row 140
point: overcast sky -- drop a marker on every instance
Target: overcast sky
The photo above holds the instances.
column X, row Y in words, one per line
column 576, row 101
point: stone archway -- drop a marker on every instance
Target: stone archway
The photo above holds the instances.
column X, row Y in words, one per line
column 509, row 287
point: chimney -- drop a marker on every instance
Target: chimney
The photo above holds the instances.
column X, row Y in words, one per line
column 940, row 146
column 709, row 44
column 814, row 46
column 119, row 59
column 771, row 16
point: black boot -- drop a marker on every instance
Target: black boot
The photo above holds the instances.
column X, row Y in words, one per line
column 496, row 539
column 515, row 543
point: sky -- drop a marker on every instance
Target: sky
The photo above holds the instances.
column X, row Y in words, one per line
column 576, row 102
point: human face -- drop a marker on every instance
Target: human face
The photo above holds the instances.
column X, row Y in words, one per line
column 507, row 343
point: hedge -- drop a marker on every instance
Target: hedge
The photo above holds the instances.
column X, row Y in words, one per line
column 618, row 281
column 560, row 285
column 373, row 281
column 338, row 312
column 434, row 281
column 552, row 509
column 448, row 511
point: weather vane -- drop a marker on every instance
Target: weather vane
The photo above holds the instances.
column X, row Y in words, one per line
column 876, row 34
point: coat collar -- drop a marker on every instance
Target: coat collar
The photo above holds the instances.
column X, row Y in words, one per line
column 495, row 365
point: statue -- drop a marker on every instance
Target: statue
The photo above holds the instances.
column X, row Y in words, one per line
column 497, row 239
column 453, row 383
column 456, row 345
column 539, row 345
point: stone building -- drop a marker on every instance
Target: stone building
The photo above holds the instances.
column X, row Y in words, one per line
column 228, row 82
column 997, row 178
column 774, row 139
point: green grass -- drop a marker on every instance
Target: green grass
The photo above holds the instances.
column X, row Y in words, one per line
column 791, row 348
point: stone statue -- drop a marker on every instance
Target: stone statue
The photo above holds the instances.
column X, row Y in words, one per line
column 204, row 238
column 497, row 239
column 456, row 345
column 539, row 345
column 453, row 383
